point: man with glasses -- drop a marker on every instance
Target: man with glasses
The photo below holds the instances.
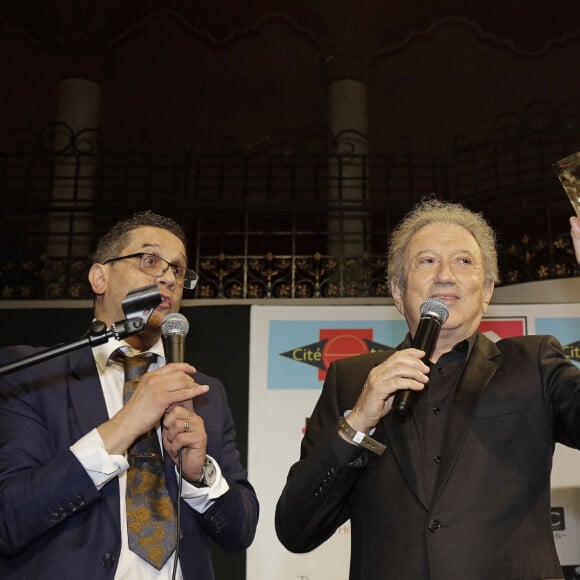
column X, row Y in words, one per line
column 66, row 435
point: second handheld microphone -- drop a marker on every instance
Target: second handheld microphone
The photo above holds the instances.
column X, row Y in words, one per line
column 174, row 329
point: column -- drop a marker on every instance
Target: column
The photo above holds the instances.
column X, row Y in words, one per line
column 75, row 143
column 348, row 171
column 347, row 57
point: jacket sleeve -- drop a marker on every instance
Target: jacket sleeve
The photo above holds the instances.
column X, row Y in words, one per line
column 315, row 499
column 232, row 519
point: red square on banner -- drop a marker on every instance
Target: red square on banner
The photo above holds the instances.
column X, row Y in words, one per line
column 342, row 343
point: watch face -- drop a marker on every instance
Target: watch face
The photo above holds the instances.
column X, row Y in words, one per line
column 209, row 473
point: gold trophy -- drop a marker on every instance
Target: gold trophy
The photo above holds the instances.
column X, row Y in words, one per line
column 568, row 172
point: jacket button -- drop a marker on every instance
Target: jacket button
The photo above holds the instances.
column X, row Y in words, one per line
column 434, row 526
column 108, row 560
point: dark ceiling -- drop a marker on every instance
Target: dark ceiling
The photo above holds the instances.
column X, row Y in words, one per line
column 91, row 26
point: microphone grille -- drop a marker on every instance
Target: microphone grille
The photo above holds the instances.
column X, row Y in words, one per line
column 174, row 323
column 436, row 309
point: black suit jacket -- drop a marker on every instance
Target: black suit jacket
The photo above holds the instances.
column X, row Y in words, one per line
column 489, row 517
column 54, row 524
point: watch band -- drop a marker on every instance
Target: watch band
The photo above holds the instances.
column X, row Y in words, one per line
column 359, row 438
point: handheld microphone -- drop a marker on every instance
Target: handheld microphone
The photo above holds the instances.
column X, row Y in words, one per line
column 433, row 315
column 174, row 329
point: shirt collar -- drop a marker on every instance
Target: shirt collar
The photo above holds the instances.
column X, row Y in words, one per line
column 466, row 345
column 103, row 352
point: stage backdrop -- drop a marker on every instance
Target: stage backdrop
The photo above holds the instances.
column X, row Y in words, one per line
column 290, row 350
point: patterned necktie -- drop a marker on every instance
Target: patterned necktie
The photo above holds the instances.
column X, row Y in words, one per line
column 151, row 519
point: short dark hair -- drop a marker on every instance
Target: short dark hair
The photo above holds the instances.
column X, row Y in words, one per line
column 113, row 242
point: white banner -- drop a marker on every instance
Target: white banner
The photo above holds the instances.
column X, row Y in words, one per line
column 290, row 350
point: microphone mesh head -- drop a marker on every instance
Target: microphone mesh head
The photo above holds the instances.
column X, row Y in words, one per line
column 174, row 323
column 436, row 309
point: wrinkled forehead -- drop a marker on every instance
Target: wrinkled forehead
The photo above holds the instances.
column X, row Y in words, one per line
column 447, row 236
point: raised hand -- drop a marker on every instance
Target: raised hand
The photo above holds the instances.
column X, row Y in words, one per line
column 157, row 393
column 575, row 233
column 402, row 370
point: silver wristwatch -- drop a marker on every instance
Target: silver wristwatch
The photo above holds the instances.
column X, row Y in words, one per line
column 208, row 474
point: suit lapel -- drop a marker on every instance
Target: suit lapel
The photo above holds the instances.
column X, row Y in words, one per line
column 88, row 403
column 85, row 391
column 479, row 370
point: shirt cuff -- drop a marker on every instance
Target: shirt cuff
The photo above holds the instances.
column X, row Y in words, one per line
column 201, row 498
column 99, row 464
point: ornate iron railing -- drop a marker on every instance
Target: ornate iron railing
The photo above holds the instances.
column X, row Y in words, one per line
column 288, row 216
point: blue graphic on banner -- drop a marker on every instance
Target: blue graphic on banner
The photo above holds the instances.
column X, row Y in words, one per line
column 566, row 330
column 298, row 350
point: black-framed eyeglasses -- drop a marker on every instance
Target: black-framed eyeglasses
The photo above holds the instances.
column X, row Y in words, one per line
column 156, row 266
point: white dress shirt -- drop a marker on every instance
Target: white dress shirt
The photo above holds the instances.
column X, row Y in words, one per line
column 103, row 467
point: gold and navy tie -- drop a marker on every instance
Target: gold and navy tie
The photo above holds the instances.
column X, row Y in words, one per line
column 151, row 519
